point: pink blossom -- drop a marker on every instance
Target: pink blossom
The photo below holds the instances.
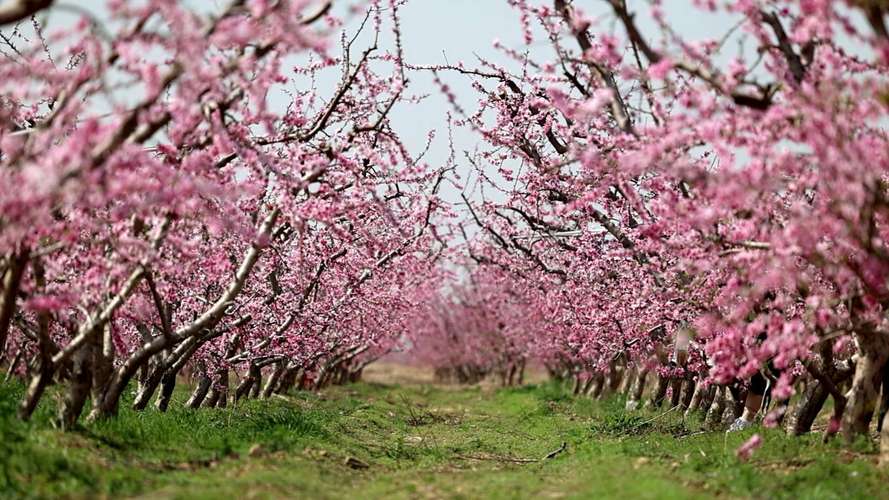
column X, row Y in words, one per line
column 746, row 450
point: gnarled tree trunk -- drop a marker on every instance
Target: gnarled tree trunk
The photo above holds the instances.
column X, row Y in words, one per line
column 272, row 382
column 884, row 442
column 688, row 393
column 660, row 391
column 147, row 386
column 199, row 392
column 252, row 378
column 808, row 408
column 168, row 383
column 717, row 408
column 78, row 388
column 103, row 367
column 12, row 279
column 862, row 397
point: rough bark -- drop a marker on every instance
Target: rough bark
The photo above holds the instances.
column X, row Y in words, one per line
column 288, row 379
column 272, row 382
column 807, row 410
column 717, row 408
column 207, row 321
column 598, row 385
column 615, row 377
column 739, row 398
column 35, row 390
column 884, row 442
column 695, row 403
column 676, row 385
column 168, row 383
column 18, row 10
column 707, row 399
column 251, row 378
column 78, row 389
column 588, row 383
column 257, row 385
column 199, row 393
column 43, row 372
column 103, row 369
column 12, row 280
column 577, row 385
column 687, row 394
column 218, row 397
column 175, row 361
column 660, row 391
column 639, row 386
column 147, row 387
column 13, row 364
column 629, row 380
column 862, row 397
column 884, row 399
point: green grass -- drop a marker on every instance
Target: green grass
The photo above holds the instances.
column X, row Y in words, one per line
column 421, row 442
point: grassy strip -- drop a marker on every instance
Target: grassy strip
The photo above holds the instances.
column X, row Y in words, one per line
column 417, row 442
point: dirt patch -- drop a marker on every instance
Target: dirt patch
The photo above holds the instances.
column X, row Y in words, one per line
column 395, row 373
column 389, row 373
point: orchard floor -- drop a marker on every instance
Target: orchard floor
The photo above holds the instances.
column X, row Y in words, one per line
column 398, row 435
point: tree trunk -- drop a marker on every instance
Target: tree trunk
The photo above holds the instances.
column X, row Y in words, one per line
column 660, row 391
column 697, row 397
column 256, row 388
column 688, row 394
column 148, row 386
column 884, row 442
column 103, row 367
column 199, row 393
column 615, row 377
column 218, row 397
column 598, row 385
column 78, row 388
column 862, row 397
column 12, row 280
column 289, row 378
column 250, row 379
column 739, row 399
column 707, row 399
column 807, row 410
column 639, row 387
column 717, row 408
column 676, row 393
column 272, row 382
column 630, row 375
column 36, row 389
column 13, row 364
column 168, row 383
column 884, row 399
column 43, row 372
column 212, row 397
column 578, row 383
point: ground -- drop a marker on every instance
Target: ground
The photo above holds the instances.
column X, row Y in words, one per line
column 398, row 435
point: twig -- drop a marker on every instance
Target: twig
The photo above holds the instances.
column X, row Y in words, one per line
column 692, row 434
column 497, row 458
column 554, row 453
column 655, row 418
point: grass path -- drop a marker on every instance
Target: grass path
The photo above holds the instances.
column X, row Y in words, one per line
column 397, row 440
